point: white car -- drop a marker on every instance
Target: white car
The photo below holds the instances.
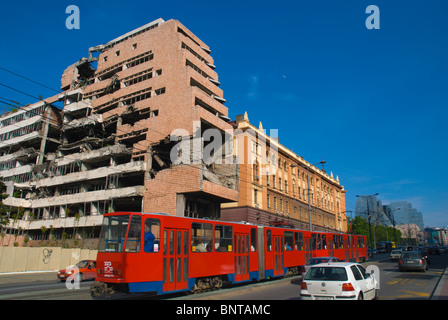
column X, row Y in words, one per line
column 317, row 260
column 395, row 255
column 339, row 281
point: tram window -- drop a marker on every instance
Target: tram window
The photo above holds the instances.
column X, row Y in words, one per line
column 179, row 243
column 223, row 238
column 171, row 242
column 324, row 241
column 268, row 240
column 134, row 234
column 313, row 241
column 361, row 242
column 289, row 240
column 113, row 233
column 201, row 237
column 298, row 240
column 165, row 237
column 253, row 239
column 152, row 235
column 185, row 242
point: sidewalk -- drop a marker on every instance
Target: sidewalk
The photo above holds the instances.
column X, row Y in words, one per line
column 24, row 277
column 441, row 291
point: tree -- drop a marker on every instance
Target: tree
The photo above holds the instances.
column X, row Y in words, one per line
column 4, row 210
column 360, row 226
column 382, row 232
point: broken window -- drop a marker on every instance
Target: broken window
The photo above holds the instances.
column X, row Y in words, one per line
column 159, row 91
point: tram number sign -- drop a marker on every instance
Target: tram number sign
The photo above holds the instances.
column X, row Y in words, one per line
column 108, row 269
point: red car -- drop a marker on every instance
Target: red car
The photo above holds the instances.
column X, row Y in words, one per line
column 83, row 270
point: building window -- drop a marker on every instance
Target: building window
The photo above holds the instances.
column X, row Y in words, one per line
column 159, row 91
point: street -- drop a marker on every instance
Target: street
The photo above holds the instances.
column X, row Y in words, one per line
column 394, row 285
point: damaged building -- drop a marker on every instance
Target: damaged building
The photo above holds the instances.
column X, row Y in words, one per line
column 108, row 149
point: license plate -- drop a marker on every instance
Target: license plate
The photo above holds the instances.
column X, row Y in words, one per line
column 410, row 261
column 323, row 298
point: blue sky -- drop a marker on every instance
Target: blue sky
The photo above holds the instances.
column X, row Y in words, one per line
column 372, row 103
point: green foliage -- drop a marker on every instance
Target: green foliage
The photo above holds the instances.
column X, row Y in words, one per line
column 379, row 232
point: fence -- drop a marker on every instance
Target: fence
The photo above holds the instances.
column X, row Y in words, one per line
column 21, row 259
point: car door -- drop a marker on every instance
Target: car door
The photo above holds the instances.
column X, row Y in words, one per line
column 369, row 283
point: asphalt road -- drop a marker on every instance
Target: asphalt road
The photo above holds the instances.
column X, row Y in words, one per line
column 394, row 285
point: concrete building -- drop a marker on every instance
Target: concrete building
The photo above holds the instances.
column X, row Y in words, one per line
column 371, row 206
column 279, row 187
column 403, row 214
column 125, row 108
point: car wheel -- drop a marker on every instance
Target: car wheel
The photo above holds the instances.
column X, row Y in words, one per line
column 377, row 295
column 360, row 297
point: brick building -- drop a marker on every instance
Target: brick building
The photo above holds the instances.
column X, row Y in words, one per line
column 274, row 185
column 131, row 109
column 125, row 107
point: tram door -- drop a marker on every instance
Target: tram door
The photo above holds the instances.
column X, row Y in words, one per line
column 355, row 251
column 347, row 249
column 278, row 255
column 175, row 259
column 307, row 247
column 330, row 246
column 242, row 261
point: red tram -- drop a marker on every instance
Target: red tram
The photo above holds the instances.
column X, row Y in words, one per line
column 160, row 253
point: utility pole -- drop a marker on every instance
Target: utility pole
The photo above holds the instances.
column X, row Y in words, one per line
column 368, row 220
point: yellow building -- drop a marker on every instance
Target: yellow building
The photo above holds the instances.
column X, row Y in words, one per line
column 279, row 187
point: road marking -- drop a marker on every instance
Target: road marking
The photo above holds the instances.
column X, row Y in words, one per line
column 419, row 294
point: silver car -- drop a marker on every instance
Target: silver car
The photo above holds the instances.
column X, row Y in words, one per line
column 395, row 254
column 412, row 260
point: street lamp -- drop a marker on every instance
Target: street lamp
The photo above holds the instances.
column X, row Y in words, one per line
column 368, row 220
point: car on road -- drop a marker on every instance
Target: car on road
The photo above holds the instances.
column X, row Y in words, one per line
column 317, row 260
column 83, row 270
column 434, row 250
column 395, row 255
column 412, row 260
column 339, row 281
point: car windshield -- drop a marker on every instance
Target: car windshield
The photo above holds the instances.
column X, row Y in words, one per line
column 396, row 251
column 411, row 255
column 317, row 260
column 327, row 274
column 83, row 264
